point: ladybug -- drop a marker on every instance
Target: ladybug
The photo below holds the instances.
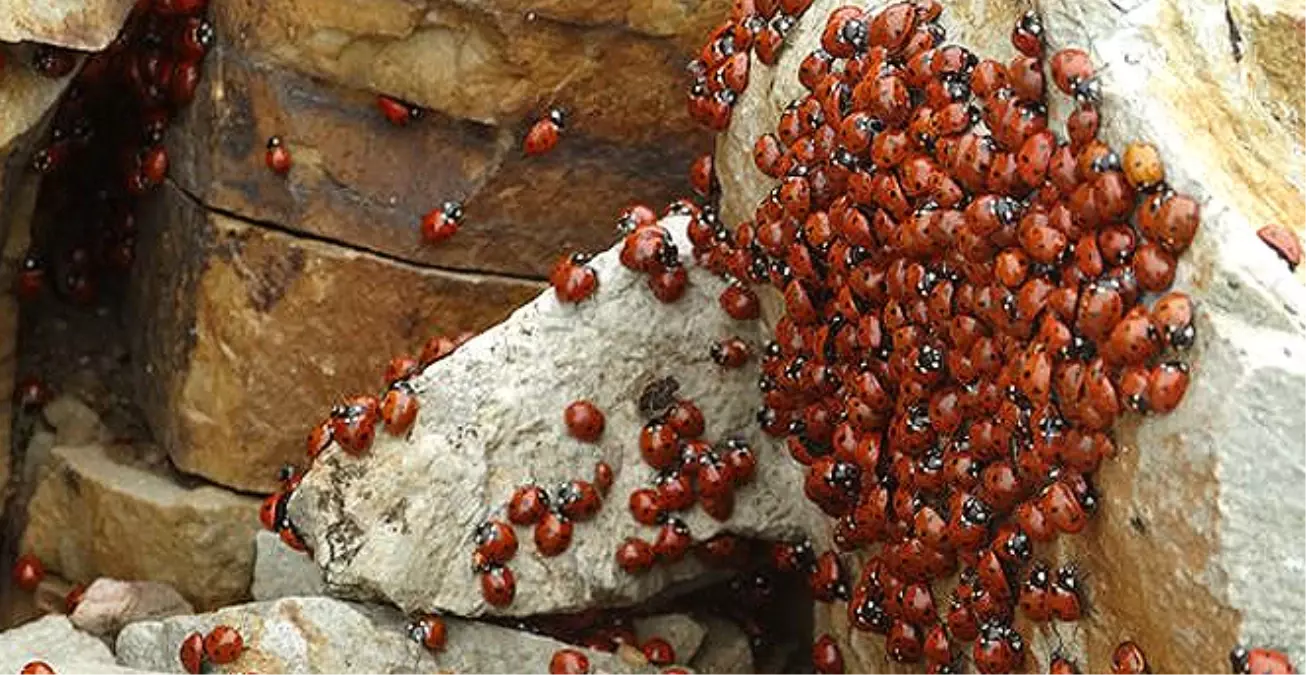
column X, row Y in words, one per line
column 553, row 534
column 578, row 500
column 702, row 176
column 74, row 598
column 272, row 512
column 53, row 62
column 1027, row 35
column 1133, row 341
column 223, row 645
column 1167, row 384
column 1060, row 664
column 1072, row 71
column 496, row 544
column 544, row 135
column 401, row 368
column 826, row 655
column 31, row 393
column 569, row 662
column 191, row 653
column 353, row 425
column 436, row 348
column 28, row 572
column 584, row 421
column 1142, row 166
column 937, row 647
column 659, row 652
column 999, row 649
column 740, row 302
column 1173, row 316
column 441, row 224
column 399, row 408
column 30, row 278
column 194, row 39
column 658, row 445
column 603, row 477
column 278, row 156
column 685, row 419
column 635, row 556
column 675, row 490
column 730, row 353
column 429, row 631
column 572, row 279
column 1259, row 660
column 668, row 284
column 645, row 506
column 1284, row 242
column 673, row 541
column 904, row 642
column 1064, row 600
column 38, row 668
column 528, row 505
column 1129, row 659
column 1153, row 267
column 498, row 586
column 398, row 112
column 154, row 164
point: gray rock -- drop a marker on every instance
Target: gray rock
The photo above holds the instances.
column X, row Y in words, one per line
column 54, row 640
column 684, row 634
column 282, row 572
column 725, row 648
column 324, row 635
column 397, row 524
column 77, row 24
column 75, row 423
column 1203, row 506
column 110, row 604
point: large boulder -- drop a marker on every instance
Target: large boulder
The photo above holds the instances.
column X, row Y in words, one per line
column 1202, row 524
column 54, row 640
column 397, row 524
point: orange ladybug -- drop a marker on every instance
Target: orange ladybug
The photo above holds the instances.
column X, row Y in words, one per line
column 429, row 631
column 223, row 645
column 278, row 156
column 544, row 135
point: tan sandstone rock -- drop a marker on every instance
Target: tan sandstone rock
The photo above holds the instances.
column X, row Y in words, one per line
column 76, row 24
column 96, row 512
column 1198, row 544
column 246, row 336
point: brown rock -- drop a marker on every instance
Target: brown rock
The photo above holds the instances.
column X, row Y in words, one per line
column 76, row 24
column 96, row 512
column 358, row 179
column 109, row 604
column 245, row 336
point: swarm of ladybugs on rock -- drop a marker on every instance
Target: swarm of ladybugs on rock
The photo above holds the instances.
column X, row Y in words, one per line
column 105, row 150
column 964, row 318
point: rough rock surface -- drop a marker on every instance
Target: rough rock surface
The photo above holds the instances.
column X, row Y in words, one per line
column 324, row 635
column 725, row 649
column 98, row 512
column 282, row 572
column 110, row 604
column 684, row 634
column 76, row 24
column 244, row 336
column 1202, row 515
column 397, row 524
column 56, row 641
column 361, row 180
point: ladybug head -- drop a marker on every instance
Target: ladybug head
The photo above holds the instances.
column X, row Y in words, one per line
column 204, row 35
column 452, row 210
column 1238, row 659
column 559, row 117
column 274, row 142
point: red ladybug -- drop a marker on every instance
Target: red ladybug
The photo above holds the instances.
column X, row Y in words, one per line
column 319, row 438
column 1027, row 36
column 578, row 500
column 28, row 572
column 553, row 534
column 659, row 652
column 603, row 477
column 1284, row 241
column 399, row 408
column 528, row 505
column 740, row 302
column 154, row 164
column 353, row 425
column 730, row 353
column 30, row 279
column 398, row 112
column 573, row 280
column 278, row 156
column 668, row 284
column 826, row 655
column 1129, row 659
column 498, row 586
column 441, row 224
column 223, row 645
column 569, row 662
column 702, row 176
column 1259, row 660
column 38, row 668
column 191, row 653
column 635, row 556
column 496, row 544
column 673, row 541
column 74, row 598
column 429, row 631
column 584, row 421
column 544, row 135
column 272, row 513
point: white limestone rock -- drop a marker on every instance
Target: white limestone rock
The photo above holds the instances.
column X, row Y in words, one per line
column 397, row 524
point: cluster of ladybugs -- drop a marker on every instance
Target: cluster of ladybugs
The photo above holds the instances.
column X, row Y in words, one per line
column 106, row 143
column 962, row 314
column 720, row 73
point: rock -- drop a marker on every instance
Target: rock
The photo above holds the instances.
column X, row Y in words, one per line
column 324, row 635
column 725, row 648
column 684, row 634
column 74, row 422
column 97, row 513
column 244, row 336
column 110, row 604
column 56, row 641
column 282, row 572
column 1201, row 516
column 86, row 26
column 397, row 523
column 360, row 180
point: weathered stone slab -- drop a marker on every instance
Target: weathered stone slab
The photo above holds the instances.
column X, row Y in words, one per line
column 1202, row 516
column 324, row 635
column 244, row 336
column 359, row 179
column 56, row 641
column 77, row 24
column 397, row 524
column 282, row 572
column 109, row 604
column 96, row 513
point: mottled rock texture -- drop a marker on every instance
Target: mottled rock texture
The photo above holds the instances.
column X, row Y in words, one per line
column 1202, row 514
